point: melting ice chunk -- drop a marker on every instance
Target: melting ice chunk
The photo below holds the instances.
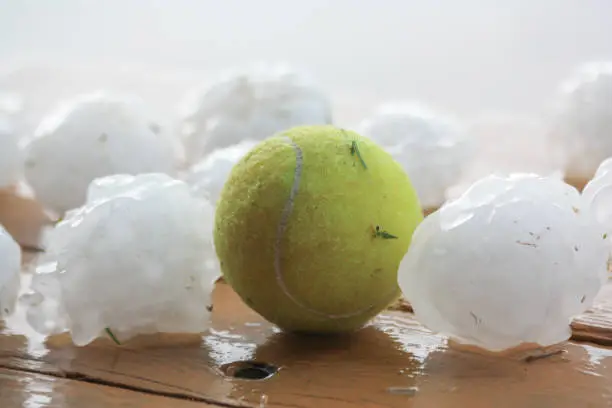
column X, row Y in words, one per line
column 431, row 148
column 598, row 195
column 250, row 104
column 208, row 176
column 137, row 258
column 529, row 258
column 10, row 266
column 96, row 135
column 582, row 119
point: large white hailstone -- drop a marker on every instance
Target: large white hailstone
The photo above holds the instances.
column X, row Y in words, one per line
column 583, row 118
column 94, row 136
column 598, row 195
column 508, row 263
column 137, row 258
column 506, row 144
column 431, row 148
column 10, row 266
column 10, row 155
column 208, row 176
column 251, row 105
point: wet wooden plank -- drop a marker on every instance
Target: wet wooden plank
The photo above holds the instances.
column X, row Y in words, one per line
column 395, row 362
column 596, row 325
column 25, row 389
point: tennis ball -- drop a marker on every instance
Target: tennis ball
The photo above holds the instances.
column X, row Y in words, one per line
column 311, row 226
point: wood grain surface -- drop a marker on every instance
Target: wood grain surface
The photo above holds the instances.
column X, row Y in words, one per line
column 28, row 389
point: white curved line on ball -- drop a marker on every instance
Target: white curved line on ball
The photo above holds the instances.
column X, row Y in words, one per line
column 282, row 226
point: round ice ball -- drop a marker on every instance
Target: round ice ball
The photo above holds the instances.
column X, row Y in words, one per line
column 251, row 104
column 509, row 143
column 582, row 120
column 10, row 154
column 95, row 135
column 10, row 266
column 137, row 258
column 598, row 195
column 431, row 147
column 208, row 176
column 508, row 263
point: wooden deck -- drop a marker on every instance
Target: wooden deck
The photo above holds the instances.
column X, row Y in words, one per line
column 394, row 362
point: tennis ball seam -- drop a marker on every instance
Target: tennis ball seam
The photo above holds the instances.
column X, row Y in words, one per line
column 282, row 226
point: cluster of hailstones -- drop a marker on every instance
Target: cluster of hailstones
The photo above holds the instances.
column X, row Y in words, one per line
column 529, row 252
column 509, row 262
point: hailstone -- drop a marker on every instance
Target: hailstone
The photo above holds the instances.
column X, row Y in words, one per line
column 508, row 263
column 582, row 119
column 10, row 267
column 250, row 105
column 137, row 258
column 94, row 136
column 598, row 195
column 10, row 155
column 431, row 148
column 208, row 176
column 507, row 144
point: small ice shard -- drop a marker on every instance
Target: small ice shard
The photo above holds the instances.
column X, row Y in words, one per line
column 10, row 267
column 10, row 154
column 96, row 135
column 208, row 176
column 509, row 143
column 137, row 258
column 508, row 263
column 250, row 104
column 431, row 147
column 582, row 118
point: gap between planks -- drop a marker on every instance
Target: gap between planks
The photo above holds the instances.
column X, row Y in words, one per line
column 84, row 378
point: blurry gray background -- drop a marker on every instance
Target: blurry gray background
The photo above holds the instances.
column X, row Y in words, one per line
column 466, row 56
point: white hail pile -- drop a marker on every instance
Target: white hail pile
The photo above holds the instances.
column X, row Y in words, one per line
column 431, row 148
column 10, row 266
column 582, row 121
column 10, row 155
column 94, row 136
column 137, row 258
column 251, row 105
column 508, row 263
column 208, row 176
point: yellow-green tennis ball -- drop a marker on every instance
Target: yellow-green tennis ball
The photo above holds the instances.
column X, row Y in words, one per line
column 311, row 227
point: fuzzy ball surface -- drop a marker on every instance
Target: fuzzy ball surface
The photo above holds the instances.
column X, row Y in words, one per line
column 311, row 226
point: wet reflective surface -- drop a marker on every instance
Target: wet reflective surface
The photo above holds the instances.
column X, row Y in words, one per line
column 392, row 363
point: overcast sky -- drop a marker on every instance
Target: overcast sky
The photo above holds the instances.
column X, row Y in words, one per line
column 462, row 55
